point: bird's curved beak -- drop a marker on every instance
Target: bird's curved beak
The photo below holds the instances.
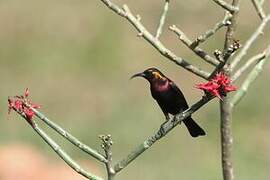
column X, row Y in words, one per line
column 138, row 75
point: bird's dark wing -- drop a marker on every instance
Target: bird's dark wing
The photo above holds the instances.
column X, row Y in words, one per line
column 179, row 95
column 164, row 109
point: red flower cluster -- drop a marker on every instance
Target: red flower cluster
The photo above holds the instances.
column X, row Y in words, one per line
column 22, row 105
column 218, row 86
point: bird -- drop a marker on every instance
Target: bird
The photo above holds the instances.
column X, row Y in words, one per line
column 169, row 98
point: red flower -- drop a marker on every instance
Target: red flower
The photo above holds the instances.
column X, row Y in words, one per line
column 23, row 106
column 18, row 104
column 218, row 86
column 28, row 113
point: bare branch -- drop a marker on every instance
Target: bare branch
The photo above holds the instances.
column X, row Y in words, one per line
column 222, row 63
column 69, row 137
column 181, row 35
column 250, row 78
column 114, row 7
column 106, row 145
column 202, row 38
column 223, row 57
column 153, row 41
column 158, row 135
column 226, row 6
column 259, row 9
column 162, row 19
column 226, row 138
column 60, row 152
column 225, row 108
column 249, row 62
column 249, row 42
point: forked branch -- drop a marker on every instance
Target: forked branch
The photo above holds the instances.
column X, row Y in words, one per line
column 259, row 9
column 143, row 32
column 249, row 42
column 201, row 53
column 255, row 72
column 226, row 6
column 220, row 63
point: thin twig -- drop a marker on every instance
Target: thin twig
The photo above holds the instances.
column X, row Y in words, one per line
column 202, row 38
column 219, row 56
column 261, row 3
column 60, row 152
column 162, row 19
column 158, row 135
column 106, row 146
column 181, row 35
column 69, row 137
column 126, row 13
column 223, row 57
column 226, row 6
column 249, row 62
column 250, row 78
column 259, row 9
column 249, row 42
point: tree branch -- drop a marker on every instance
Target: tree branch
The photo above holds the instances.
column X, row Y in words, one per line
column 181, row 35
column 249, row 62
column 126, row 13
column 106, row 146
column 249, row 42
column 226, row 138
column 250, row 78
column 60, row 152
column 259, row 9
column 69, row 137
column 202, row 38
column 162, row 19
column 225, row 108
column 223, row 57
column 220, row 63
column 158, row 135
column 226, row 6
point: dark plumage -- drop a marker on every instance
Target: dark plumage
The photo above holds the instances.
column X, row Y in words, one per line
column 169, row 97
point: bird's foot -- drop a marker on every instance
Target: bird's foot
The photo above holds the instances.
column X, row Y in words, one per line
column 167, row 118
column 162, row 129
column 174, row 119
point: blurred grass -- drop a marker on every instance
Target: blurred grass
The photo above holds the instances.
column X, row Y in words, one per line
column 76, row 57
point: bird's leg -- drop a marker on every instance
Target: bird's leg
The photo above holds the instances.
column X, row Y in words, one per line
column 174, row 118
column 167, row 117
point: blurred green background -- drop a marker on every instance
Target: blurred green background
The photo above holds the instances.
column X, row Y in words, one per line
column 76, row 58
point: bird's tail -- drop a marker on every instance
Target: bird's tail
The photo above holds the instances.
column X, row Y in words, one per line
column 193, row 128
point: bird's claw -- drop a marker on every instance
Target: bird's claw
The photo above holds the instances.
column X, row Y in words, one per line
column 174, row 119
column 162, row 130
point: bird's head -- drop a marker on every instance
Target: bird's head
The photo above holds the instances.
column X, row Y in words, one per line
column 152, row 75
